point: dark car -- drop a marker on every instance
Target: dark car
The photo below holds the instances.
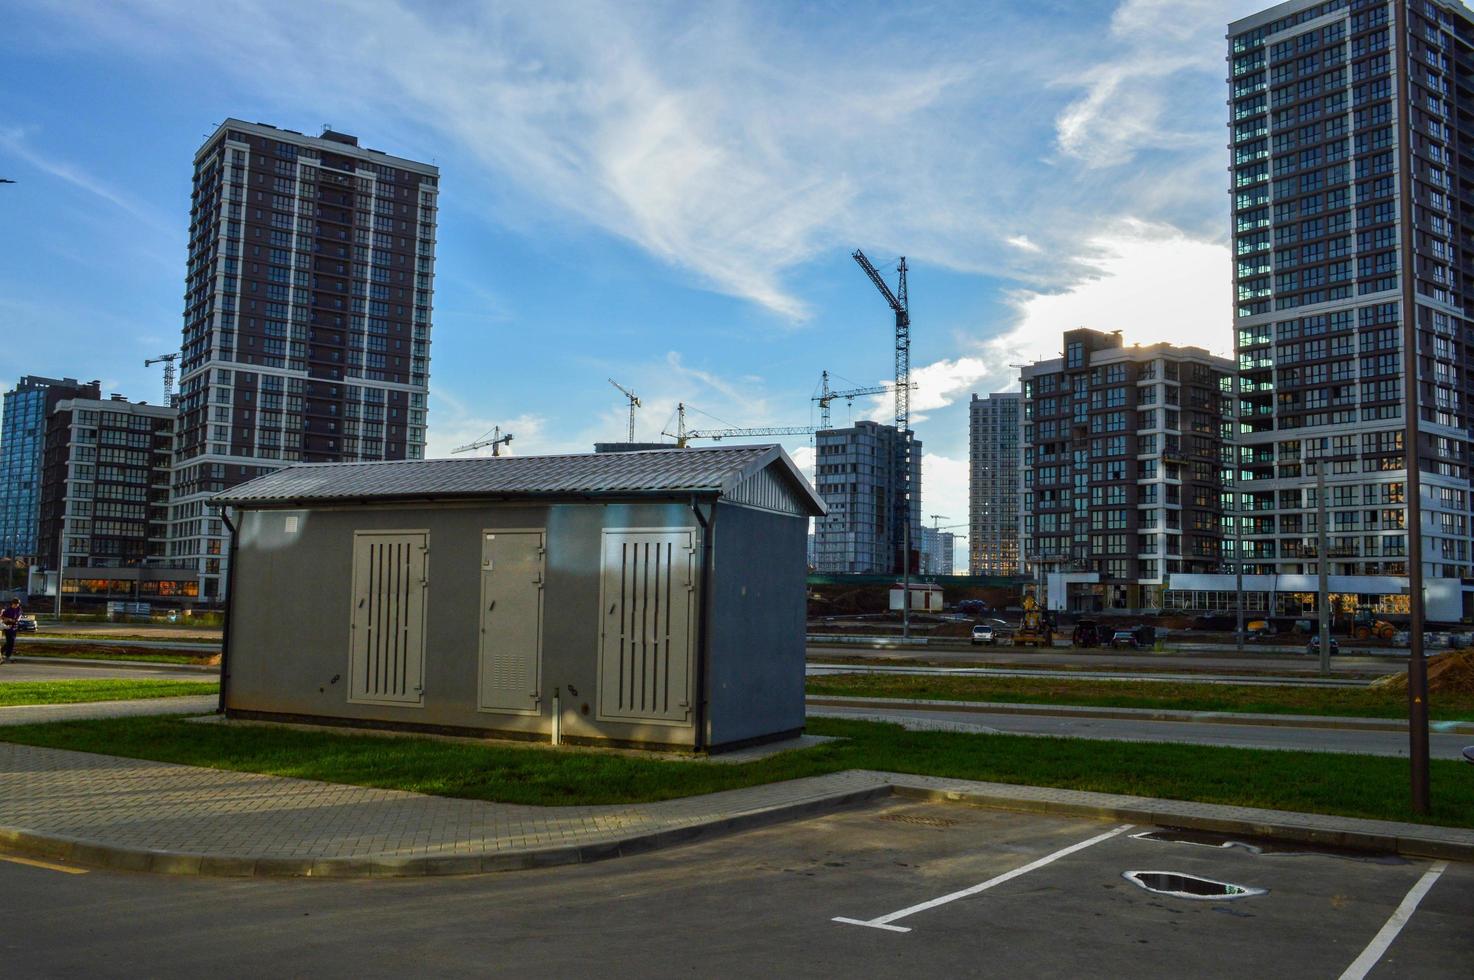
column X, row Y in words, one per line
column 1313, row 647
column 1125, row 639
column 1087, row 634
column 26, row 624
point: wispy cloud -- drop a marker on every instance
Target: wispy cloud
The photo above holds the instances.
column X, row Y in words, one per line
column 15, row 142
column 731, row 144
column 1134, row 99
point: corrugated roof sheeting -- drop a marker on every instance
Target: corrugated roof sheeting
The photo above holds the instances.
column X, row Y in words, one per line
column 714, row 470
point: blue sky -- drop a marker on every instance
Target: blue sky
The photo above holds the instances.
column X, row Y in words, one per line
column 662, row 193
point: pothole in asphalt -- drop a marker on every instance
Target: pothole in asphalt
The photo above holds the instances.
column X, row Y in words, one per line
column 1180, row 885
column 1265, row 846
column 1195, row 838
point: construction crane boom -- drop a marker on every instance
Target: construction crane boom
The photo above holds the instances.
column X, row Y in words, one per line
column 634, row 404
column 827, row 395
column 771, row 430
column 168, row 361
column 495, row 439
column 900, row 303
column 683, row 435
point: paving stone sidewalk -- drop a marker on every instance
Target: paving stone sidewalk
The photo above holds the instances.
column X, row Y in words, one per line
column 165, row 817
column 153, row 816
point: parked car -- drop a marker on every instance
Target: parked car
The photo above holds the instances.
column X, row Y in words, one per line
column 990, row 631
column 1313, row 647
column 1125, row 639
column 26, row 624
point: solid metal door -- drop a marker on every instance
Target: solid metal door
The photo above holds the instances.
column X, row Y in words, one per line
column 511, row 620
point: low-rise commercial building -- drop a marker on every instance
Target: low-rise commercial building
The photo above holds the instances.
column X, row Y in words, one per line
column 104, row 501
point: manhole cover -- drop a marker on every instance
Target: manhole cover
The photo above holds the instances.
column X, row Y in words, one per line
column 1189, row 886
column 918, row 820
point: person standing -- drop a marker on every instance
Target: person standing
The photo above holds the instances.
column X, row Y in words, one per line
column 10, row 624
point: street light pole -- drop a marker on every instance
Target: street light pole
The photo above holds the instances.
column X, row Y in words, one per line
column 1417, row 666
column 1323, row 597
column 1238, row 563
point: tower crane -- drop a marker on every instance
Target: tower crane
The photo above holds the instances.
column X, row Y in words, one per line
column 634, row 404
column 827, row 394
column 901, row 305
column 937, row 521
column 168, row 361
column 683, row 435
column 495, row 439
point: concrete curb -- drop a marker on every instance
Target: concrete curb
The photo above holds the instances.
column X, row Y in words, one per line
column 1137, row 714
column 1352, row 834
column 1267, row 824
column 95, row 854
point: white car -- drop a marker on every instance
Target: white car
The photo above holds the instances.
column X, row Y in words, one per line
column 990, row 632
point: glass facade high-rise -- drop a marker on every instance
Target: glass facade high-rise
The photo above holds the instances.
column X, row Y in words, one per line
column 22, row 447
column 1352, row 181
column 307, row 317
column 994, row 483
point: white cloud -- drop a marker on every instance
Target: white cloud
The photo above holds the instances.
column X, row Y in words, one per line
column 944, row 490
column 1152, row 282
column 1023, row 243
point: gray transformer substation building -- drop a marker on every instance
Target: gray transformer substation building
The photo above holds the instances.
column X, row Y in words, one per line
column 646, row 598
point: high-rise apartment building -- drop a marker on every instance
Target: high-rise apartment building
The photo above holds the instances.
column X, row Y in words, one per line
column 859, row 471
column 1122, row 456
column 1352, row 162
column 307, row 316
column 105, row 499
column 994, row 483
column 938, row 551
column 22, row 446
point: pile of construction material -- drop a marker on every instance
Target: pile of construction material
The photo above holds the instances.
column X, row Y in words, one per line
column 1448, row 673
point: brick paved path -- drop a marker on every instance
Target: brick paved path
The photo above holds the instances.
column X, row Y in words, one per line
column 137, row 805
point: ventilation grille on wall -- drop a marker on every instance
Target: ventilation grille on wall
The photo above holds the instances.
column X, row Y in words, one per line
column 388, row 630
column 644, row 664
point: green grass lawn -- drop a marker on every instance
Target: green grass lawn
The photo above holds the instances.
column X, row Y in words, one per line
column 1361, row 786
column 1183, row 696
column 74, row 692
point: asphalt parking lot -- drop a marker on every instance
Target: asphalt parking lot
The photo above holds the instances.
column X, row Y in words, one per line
column 766, row 903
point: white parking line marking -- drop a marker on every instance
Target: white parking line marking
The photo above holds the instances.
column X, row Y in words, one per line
column 884, row 921
column 1385, row 936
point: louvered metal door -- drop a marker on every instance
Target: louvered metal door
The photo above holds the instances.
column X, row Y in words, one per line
column 386, row 662
column 647, row 590
column 511, row 620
